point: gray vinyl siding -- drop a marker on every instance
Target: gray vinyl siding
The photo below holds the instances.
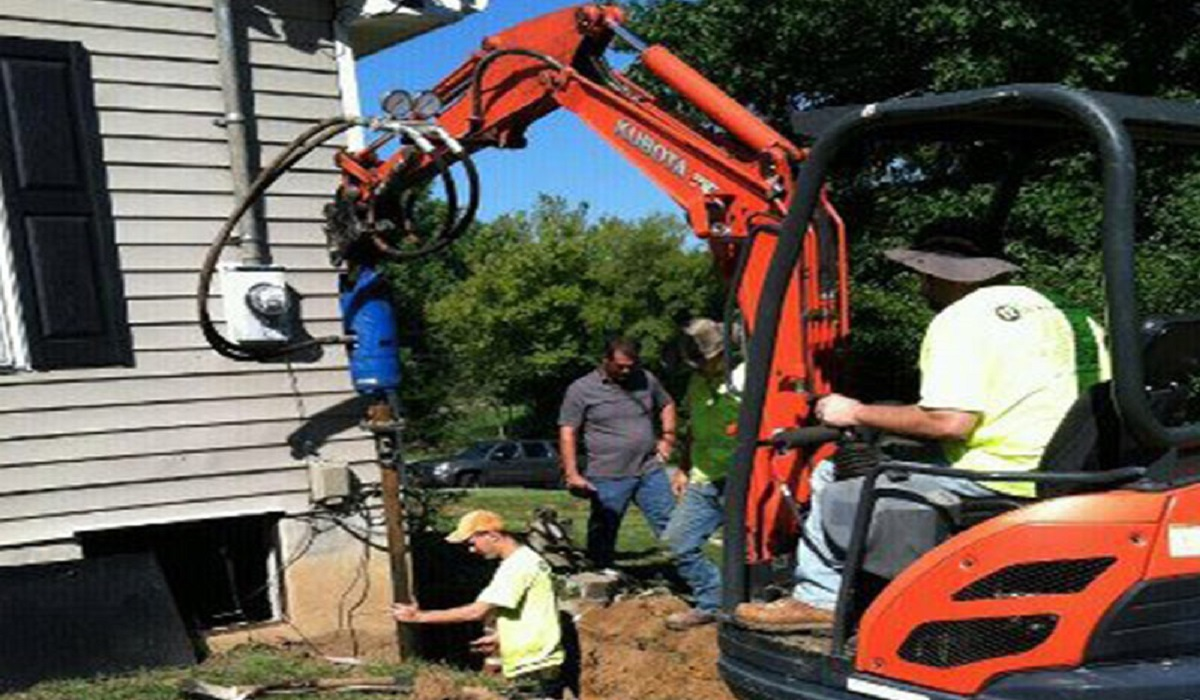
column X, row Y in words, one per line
column 184, row 434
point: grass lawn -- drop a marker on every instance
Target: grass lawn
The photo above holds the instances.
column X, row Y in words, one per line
column 244, row 666
column 637, row 548
column 517, row 505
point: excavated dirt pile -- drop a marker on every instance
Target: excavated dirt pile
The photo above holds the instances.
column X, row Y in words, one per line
column 627, row 653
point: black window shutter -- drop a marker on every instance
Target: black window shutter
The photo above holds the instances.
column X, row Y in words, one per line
column 57, row 208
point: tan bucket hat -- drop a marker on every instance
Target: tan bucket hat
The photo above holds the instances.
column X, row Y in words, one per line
column 707, row 339
column 948, row 250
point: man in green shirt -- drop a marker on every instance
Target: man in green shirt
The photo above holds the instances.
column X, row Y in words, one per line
column 521, row 601
column 711, row 411
column 1000, row 366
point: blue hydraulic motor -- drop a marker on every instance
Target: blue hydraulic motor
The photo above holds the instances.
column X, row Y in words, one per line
column 368, row 315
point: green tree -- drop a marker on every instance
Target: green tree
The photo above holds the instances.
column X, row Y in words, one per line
column 784, row 54
column 788, row 54
column 416, row 285
column 544, row 289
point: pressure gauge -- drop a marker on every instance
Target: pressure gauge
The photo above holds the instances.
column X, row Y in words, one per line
column 426, row 104
column 398, row 104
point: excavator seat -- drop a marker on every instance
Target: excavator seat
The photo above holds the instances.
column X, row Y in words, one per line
column 1091, row 436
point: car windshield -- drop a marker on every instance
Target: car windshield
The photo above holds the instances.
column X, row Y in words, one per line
column 477, row 451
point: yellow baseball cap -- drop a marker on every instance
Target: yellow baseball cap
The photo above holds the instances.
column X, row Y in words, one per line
column 475, row 522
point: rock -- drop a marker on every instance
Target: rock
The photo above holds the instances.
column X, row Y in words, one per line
column 596, row 586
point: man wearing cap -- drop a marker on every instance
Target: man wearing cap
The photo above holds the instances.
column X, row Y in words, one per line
column 1000, row 366
column 711, row 407
column 521, row 600
column 615, row 407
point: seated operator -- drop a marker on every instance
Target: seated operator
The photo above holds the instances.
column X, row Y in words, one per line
column 1000, row 365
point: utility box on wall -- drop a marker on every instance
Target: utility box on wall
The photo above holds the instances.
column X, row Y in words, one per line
column 257, row 303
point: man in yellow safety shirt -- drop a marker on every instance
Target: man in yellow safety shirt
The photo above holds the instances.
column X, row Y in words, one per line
column 521, row 601
column 1000, row 366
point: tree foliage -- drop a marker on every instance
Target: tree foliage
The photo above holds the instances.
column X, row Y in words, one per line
column 798, row 54
column 415, row 285
column 542, row 290
column 789, row 53
column 511, row 314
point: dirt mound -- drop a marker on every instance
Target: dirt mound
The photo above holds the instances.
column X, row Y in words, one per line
column 629, row 654
column 438, row 684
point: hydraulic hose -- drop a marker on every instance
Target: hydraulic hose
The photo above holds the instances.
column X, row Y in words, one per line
column 482, row 67
column 735, row 284
column 300, row 147
column 455, row 225
column 408, row 205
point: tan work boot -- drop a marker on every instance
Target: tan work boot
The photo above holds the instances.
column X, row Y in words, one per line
column 783, row 615
column 680, row 621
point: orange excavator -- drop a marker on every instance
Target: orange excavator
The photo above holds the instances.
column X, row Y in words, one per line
column 733, row 182
column 1091, row 591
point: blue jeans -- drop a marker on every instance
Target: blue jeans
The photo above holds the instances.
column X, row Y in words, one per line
column 652, row 493
column 699, row 514
column 818, row 570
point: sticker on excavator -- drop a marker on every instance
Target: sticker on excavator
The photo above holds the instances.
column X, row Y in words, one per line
column 1183, row 541
column 877, row 690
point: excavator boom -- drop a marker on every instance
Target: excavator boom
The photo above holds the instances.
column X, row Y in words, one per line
column 733, row 179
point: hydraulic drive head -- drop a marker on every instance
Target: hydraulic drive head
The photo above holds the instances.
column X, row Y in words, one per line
column 368, row 316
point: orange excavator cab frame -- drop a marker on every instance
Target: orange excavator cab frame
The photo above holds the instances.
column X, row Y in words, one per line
column 1072, row 597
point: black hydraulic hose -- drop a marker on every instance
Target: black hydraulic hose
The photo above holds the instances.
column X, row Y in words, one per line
column 455, row 225
column 300, row 147
column 482, row 67
column 472, row 210
column 461, row 224
column 735, row 284
column 408, row 209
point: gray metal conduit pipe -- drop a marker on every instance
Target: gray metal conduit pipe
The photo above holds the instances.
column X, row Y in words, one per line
column 250, row 229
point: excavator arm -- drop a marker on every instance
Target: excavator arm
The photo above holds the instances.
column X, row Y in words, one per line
column 733, row 183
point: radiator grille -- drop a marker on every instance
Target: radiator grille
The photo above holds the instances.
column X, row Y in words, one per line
column 948, row 644
column 1037, row 578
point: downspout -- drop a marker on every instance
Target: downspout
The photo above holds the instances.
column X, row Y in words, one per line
column 252, row 234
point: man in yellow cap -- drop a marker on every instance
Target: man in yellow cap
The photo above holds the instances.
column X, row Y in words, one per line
column 521, row 601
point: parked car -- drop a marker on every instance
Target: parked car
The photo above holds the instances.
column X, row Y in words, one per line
column 494, row 463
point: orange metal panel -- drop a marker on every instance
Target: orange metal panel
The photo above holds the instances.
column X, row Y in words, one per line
column 1123, row 525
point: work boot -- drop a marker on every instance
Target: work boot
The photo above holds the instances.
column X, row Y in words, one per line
column 783, row 615
column 680, row 621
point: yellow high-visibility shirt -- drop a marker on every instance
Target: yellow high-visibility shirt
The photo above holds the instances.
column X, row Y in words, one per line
column 1008, row 354
column 527, row 616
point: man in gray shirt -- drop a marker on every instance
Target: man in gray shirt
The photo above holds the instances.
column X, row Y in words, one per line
column 614, row 406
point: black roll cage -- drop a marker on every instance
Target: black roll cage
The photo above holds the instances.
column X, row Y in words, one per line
column 1027, row 111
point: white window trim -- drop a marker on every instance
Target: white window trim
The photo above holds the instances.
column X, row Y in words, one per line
column 14, row 350
column 347, row 71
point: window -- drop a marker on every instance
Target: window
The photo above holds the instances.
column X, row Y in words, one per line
column 536, row 450
column 61, row 303
column 505, row 451
column 221, row 572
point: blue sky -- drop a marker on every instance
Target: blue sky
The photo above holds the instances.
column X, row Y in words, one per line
column 563, row 156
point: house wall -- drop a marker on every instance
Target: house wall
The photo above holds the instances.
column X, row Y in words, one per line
column 184, row 434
